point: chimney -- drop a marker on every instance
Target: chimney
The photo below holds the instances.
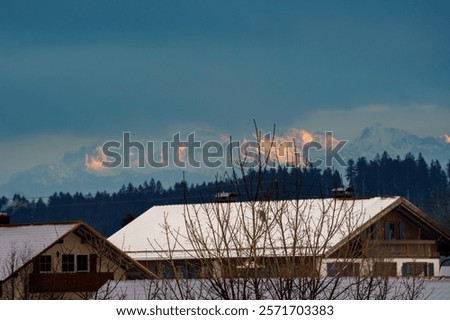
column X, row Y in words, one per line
column 343, row 193
column 4, row 218
column 225, row 196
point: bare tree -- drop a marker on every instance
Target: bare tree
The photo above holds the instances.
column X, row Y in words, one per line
column 16, row 287
column 109, row 263
column 19, row 270
column 90, row 262
column 275, row 247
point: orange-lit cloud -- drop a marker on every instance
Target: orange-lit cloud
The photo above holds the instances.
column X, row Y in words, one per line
column 94, row 161
column 224, row 139
column 287, row 148
column 182, row 153
column 447, row 138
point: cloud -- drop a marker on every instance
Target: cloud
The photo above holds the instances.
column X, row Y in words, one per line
column 422, row 120
column 446, row 138
column 289, row 147
column 95, row 161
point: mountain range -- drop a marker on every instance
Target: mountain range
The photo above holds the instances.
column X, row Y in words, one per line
column 396, row 142
column 72, row 174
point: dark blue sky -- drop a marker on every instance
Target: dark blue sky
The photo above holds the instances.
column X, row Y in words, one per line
column 76, row 73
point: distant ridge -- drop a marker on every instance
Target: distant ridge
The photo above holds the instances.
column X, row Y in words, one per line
column 377, row 139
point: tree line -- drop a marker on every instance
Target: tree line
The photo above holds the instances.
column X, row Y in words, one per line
column 426, row 185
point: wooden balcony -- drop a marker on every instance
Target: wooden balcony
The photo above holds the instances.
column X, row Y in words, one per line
column 68, row 282
column 403, row 248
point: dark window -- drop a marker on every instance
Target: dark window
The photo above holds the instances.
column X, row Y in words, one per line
column 394, row 231
column 431, row 269
column 390, row 231
column 68, row 263
column 82, row 263
column 45, row 263
column 187, row 271
column 416, row 269
column 343, row 269
column 192, row 272
column 153, row 268
column 169, row 274
column 161, row 270
column 206, row 271
column 181, row 272
column 385, row 269
column 376, row 231
column 402, row 231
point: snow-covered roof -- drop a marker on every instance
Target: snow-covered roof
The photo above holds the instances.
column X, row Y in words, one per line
column 233, row 228
column 20, row 243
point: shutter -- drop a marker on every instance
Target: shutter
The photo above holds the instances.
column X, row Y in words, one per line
column 422, row 268
column 387, row 231
column 431, row 269
column 93, row 263
column 185, row 272
column 377, row 234
column 405, row 270
column 36, row 265
column 402, row 231
column 330, row 269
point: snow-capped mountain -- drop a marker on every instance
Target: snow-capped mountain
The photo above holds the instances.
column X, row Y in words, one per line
column 72, row 175
column 396, row 142
column 73, row 172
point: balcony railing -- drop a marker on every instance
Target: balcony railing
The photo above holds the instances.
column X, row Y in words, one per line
column 68, row 282
column 404, row 248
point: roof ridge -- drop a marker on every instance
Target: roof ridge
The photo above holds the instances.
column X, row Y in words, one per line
column 302, row 199
column 37, row 224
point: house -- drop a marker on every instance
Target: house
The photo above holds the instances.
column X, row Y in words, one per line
column 342, row 236
column 68, row 260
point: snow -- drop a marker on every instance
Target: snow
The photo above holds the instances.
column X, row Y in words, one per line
column 146, row 237
column 20, row 243
column 427, row 289
column 377, row 139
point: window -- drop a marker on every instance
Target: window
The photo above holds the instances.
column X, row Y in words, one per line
column 416, row 269
column 394, row 231
column 402, row 228
column 82, row 263
column 169, row 274
column 385, row 269
column 68, row 263
column 72, row 263
column 376, row 231
column 161, row 269
column 180, row 272
column 45, row 263
column 206, row 271
column 389, row 231
column 186, row 271
column 343, row 269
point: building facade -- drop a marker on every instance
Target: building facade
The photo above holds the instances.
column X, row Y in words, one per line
column 380, row 237
column 60, row 261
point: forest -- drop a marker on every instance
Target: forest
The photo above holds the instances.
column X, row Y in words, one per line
column 427, row 185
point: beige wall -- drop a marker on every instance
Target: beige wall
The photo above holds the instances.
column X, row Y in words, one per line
column 72, row 244
column 16, row 287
